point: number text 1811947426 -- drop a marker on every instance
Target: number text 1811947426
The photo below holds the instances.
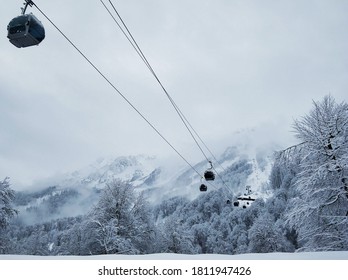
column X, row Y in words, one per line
column 227, row 270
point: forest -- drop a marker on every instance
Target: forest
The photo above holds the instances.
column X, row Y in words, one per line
column 306, row 211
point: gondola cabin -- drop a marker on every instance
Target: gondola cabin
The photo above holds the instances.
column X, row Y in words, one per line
column 25, row 31
column 203, row 188
column 209, row 175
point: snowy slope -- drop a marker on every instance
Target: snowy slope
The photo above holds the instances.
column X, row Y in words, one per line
column 235, row 169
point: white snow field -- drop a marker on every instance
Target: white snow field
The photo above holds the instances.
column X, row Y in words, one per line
column 314, row 265
column 332, row 255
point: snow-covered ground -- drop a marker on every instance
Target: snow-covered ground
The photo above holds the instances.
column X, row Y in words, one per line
column 275, row 266
column 332, row 255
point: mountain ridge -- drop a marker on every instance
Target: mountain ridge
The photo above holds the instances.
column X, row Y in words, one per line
column 76, row 192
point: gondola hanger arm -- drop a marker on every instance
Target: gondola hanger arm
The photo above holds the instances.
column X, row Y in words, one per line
column 26, row 4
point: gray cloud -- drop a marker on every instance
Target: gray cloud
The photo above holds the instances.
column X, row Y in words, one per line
column 229, row 65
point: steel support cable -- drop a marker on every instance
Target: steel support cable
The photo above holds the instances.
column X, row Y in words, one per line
column 211, row 153
column 137, row 48
column 135, row 45
column 125, row 34
column 223, row 181
column 115, row 88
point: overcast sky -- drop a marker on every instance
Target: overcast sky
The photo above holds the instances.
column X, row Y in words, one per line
column 230, row 65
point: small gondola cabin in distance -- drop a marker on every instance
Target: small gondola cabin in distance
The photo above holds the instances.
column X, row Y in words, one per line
column 25, row 30
column 209, row 175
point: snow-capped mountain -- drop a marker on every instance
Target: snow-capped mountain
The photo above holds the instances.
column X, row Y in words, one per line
column 76, row 192
column 234, row 171
column 137, row 170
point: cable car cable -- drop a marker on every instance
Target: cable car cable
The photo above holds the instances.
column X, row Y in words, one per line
column 137, row 48
column 125, row 34
column 135, row 45
column 115, row 88
column 118, row 91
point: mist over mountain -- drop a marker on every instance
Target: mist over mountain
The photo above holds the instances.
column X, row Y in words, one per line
column 261, row 201
column 75, row 193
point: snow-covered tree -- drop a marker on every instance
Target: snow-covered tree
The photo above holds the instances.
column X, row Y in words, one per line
column 122, row 221
column 6, row 212
column 176, row 237
column 266, row 236
column 6, row 197
column 320, row 211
